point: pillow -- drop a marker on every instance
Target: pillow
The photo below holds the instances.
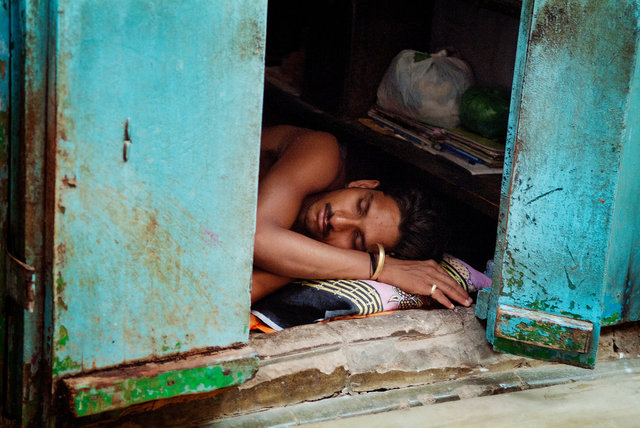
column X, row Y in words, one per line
column 310, row 301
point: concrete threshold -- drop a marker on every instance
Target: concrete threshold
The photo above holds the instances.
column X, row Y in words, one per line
column 459, row 405
column 404, row 359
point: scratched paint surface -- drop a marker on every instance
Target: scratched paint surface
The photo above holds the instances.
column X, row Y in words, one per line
column 562, row 195
column 153, row 255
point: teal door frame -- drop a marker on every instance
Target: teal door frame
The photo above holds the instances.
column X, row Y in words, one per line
column 568, row 252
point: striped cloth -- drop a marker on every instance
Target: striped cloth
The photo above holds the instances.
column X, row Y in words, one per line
column 310, row 301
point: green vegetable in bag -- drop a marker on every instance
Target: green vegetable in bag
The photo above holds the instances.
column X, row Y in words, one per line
column 485, row 111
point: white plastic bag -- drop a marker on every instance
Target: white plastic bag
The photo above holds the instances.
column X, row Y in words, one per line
column 427, row 88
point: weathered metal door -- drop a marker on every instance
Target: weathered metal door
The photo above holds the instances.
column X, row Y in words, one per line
column 136, row 145
column 568, row 254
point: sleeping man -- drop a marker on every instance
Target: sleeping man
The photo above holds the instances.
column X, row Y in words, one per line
column 313, row 225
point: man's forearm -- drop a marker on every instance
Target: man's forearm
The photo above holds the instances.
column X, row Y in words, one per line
column 263, row 283
column 291, row 254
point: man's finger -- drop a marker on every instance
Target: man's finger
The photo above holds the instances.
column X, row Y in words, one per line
column 442, row 299
column 454, row 291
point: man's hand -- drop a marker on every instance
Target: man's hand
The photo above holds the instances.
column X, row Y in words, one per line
column 426, row 278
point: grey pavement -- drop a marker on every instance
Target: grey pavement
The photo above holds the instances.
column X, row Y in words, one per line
column 611, row 400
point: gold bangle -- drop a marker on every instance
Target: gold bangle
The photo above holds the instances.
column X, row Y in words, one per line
column 381, row 257
column 372, row 264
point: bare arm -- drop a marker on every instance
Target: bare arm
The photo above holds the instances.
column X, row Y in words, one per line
column 263, row 283
column 310, row 164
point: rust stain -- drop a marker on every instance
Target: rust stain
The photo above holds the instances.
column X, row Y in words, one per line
column 152, row 225
column 249, row 41
column 61, row 251
column 69, row 182
column 63, row 123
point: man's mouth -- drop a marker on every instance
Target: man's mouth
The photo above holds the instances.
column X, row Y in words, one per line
column 323, row 220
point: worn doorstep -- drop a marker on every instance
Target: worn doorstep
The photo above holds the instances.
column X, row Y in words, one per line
column 403, row 359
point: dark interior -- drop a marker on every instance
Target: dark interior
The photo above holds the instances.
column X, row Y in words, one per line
column 325, row 60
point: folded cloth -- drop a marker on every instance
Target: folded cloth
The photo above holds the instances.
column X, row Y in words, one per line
column 310, row 301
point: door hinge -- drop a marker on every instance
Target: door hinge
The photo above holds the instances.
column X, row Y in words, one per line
column 21, row 282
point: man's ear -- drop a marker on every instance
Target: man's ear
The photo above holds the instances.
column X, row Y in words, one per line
column 364, row 184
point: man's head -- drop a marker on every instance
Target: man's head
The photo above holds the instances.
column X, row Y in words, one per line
column 424, row 231
column 404, row 221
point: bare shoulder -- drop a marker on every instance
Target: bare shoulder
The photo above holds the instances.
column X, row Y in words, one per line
column 303, row 157
column 282, row 137
column 276, row 137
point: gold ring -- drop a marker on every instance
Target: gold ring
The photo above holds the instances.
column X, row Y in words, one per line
column 433, row 288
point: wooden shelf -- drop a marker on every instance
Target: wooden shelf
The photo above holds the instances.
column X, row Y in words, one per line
column 480, row 192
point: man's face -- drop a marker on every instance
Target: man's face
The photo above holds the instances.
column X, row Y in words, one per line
column 353, row 218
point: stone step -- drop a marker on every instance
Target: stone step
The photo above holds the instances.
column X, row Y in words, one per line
column 399, row 353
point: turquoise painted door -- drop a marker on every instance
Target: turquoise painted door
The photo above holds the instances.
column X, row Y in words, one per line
column 146, row 181
column 568, row 253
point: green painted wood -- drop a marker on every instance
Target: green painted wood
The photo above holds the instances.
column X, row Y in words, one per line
column 542, row 329
column 122, row 387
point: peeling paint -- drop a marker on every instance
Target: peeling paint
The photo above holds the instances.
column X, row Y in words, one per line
column 120, row 388
column 543, row 329
column 64, row 366
column 611, row 319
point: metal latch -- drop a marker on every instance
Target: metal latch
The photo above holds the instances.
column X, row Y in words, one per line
column 21, row 282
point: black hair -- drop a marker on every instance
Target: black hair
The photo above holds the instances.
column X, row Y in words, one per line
column 424, row 232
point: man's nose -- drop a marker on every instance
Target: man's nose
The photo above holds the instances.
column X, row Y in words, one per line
column 343, row 220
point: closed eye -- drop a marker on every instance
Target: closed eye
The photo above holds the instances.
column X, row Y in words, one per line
column 361, row 206
column 364, row 204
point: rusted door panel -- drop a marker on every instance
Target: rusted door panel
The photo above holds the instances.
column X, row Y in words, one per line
column 25, row 302
column 133, row 180
column 158, row 108
column 130, row 205
column 568, row 244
